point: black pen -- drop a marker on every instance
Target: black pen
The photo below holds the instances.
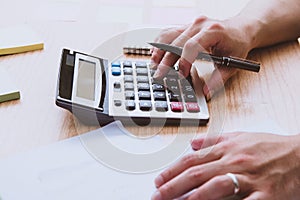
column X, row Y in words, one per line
column 219, row 60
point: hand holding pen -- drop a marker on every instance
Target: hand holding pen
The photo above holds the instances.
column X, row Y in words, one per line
column 225, row 61
column 206, row 35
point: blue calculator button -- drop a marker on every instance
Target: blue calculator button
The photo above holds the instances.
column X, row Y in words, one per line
column 116, row 71
column 116, row 64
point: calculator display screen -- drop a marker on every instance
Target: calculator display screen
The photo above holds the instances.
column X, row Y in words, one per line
column 86, row 82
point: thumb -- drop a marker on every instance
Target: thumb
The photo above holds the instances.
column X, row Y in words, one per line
column 217, row 81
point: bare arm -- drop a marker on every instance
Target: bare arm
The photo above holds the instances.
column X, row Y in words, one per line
column 270, row 21
column 259, row 24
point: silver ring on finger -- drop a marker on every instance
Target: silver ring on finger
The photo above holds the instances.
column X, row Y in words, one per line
column 235, row 182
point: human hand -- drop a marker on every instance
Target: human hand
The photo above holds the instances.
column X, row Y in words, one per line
column 267, row 167
column 223, row 38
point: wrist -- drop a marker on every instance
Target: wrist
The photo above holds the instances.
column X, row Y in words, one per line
column 249, row 29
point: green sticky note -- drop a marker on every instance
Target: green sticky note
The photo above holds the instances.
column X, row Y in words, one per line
column 8, row 90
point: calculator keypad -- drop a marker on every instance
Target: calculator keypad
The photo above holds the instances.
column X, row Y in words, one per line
column 138, row 93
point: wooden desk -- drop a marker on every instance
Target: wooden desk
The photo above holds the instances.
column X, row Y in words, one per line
column 250, row 99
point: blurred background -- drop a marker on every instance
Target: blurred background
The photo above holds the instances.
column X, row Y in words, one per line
column 151, row 12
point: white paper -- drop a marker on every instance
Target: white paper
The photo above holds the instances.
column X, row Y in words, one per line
column 66, row 170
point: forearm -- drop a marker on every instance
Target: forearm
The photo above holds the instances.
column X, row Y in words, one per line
column 269, row 22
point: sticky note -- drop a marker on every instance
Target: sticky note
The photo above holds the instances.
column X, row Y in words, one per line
column 19, row 39
column 8, row 90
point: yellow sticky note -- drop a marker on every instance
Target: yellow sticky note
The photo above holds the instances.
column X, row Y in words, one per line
column 19, row 39
column 8, row 90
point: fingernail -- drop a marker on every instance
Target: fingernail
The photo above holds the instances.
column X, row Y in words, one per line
column 156, row 196
column 152, row 64
column 158, row 181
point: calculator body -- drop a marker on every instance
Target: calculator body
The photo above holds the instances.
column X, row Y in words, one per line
column 99, row 92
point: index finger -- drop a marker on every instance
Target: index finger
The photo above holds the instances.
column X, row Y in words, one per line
column 167, row 36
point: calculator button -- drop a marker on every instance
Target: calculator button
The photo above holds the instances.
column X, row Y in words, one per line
column 187, row 89
column 171, row 81
column 117, row 85
column 127, row 71
column 118, row 103
column 144, row 95
column 176, row 106
column 143, row 86
column 159, row 96
column 145, row 105
column 129, row 95
column 116, row 71
column 141, row 65
column 158, row 87
column 116, row 64
column 127, row 64
column 142, row 79
column 173, row 88
column 192, row 107
column 175, row 97
column 128, row 78
column 130, row 105
column 128, row 86
column 190, row 97
column 161, row 106
column 142, row 71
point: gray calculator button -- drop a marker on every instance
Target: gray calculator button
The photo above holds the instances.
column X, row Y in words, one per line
column 142, row 79
column 158, row 87
column 142, row 71
column 173, row 88
column 175, row 97
column 130, row 105
column 159, row 96
column 129, row 86
column 127, row 64
column 145, row 105
column 118, row 103
column 161, row 106
column 190, row 97
column 127, row 71
column 128, row 78
column 117, row 85
column 144, row 95
column 141, row 65
column 187, row 89
column 129, row 95
column 143, row 86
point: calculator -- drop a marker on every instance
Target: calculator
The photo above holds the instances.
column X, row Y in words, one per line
column 97, row 91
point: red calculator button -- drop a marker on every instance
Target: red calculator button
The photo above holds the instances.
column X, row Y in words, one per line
column 192, row 107
column 177, row 106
